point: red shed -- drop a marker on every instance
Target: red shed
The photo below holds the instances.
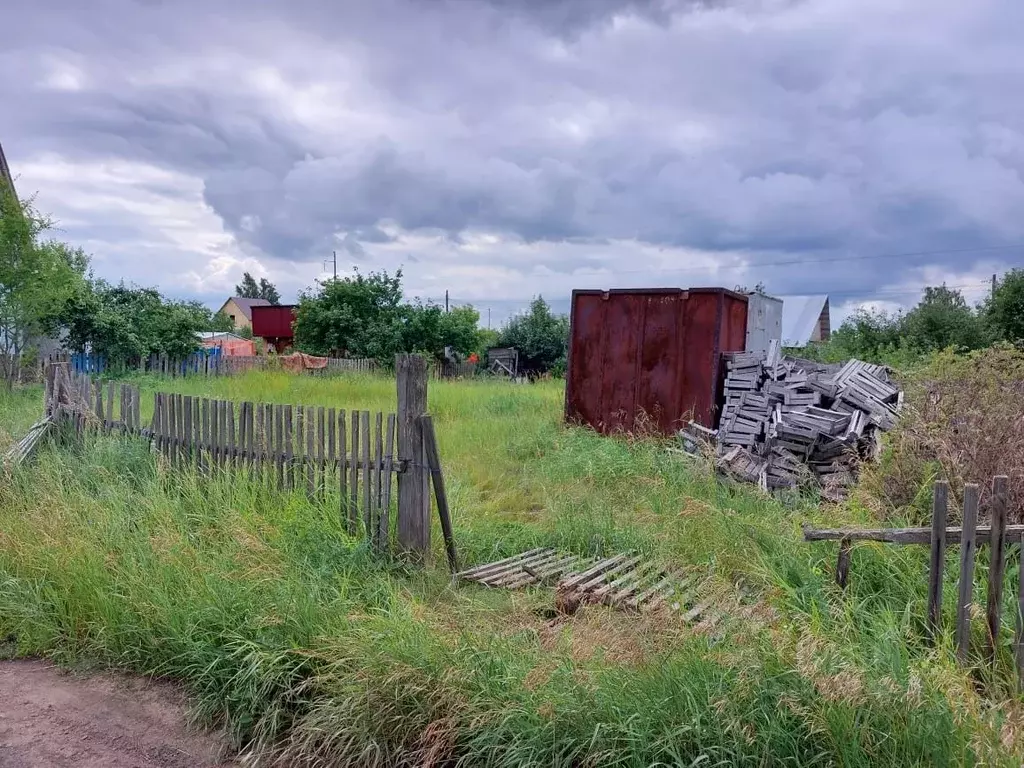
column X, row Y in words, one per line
column 273, row 324
column 650, row 354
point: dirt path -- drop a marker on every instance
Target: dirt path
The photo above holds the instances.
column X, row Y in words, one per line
column 51, row 718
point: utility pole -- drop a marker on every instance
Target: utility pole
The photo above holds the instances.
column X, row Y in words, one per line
column 334, row 259
column 446, row 300
column 488, row 318
column 993, row 286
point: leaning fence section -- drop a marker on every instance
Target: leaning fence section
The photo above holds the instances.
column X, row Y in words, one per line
column 997, row 535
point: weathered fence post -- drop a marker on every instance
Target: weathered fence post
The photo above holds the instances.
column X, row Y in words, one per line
column 441, row 495
column 843, row 563
column 996, row 563
column 966, row 594
column 413, row 502
column 940, row 507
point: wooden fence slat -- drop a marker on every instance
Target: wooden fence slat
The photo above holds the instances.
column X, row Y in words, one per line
column 367, row 477
column 215, row 432
column 997, row 562
column 332, row 445
column 204, row 440
column 966, row 593
column 232, row 444
column 250, row 435
column 300, row 444
column 378, row 474
column 243, row 432
column 260, row 437
column 384, row 519
column 310, row 453
column 98, row 408
column 441, row 495
column 197, row 432
column 137, row 408
column 937, row 565
column 413, row 529
column 168, row 431
column 353, row 507
column 843, row 563
column 187, row 437
column 342, row 470
column 289, row 455
column 155, row 426
column 109, row 423
column 321, row 449
column 908, row 536
column 279, row 445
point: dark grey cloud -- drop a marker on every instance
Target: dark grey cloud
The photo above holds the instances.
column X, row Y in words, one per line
column 595, row 139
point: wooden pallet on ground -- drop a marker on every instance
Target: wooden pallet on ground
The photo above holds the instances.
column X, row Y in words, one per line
column 624, row 581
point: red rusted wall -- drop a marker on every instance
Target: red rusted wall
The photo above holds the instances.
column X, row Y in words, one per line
column 650, row 356
column 273, row 322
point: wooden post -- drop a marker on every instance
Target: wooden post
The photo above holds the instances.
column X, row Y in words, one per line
column 310, row 452
column 843, row 563
column 353, row 503
column 332, row 446
column 967, row 549
column 937, row 566
column 384, row 521
column 109, row 423
column 997, row 562
column 342, row 467
column 232, row 452
column 278, row 443
column 367, row 478
column 441, row 496
column 413, row 504
column 289, row 456
column 300, row 443
column 378, row 474
column 321, row 448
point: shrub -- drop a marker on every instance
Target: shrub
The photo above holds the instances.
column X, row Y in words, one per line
column 963, row 422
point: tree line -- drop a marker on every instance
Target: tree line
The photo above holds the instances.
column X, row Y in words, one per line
column 369, row 316
column 943, row 319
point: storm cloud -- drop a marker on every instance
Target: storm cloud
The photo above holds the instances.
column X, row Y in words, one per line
column 506, row 148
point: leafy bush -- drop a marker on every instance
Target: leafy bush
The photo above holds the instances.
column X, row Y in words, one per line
column 963, row 422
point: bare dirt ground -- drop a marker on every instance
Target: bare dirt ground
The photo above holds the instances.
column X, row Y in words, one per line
column 52, row 718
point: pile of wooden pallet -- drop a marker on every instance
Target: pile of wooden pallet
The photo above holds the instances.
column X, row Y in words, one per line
column 627, row 582
column 788, row 421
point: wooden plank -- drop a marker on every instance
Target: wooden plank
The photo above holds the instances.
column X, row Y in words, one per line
column 158, row 439
column 300, row 444
column 497, row 576
column 321, row 451
column 413, row 503
column 377, row 474
column 204, row 457
column 310, row 454
column 332, row 445
column 907, row 535
column 259, row 437
column 590, row 573
column 384, row 520
column 538, row 574
column 196, row 432
column 232, row 448
column 342, row 473
column 478, row 570
column 368, row 521
column 937, row 566
column 1018, row 646
column 97, row 406
column 440, row 494
column 647, row 594
column 601, row 579
column 353, row 502
column 186, row 437
column 278, row 443
column 137, row 408
column 109, row 423
column 843, row 563
column 289, row 456
column 172, row 428
column 243, row 409
column 967, row 549
column 214, row 433
column 997, row 562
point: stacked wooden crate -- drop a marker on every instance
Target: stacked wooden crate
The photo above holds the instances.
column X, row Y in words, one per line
column 787, row 421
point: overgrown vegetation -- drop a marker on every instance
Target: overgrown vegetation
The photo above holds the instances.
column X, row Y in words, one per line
column 312, row 652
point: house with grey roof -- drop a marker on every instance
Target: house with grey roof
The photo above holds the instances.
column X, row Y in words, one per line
column 239, row 309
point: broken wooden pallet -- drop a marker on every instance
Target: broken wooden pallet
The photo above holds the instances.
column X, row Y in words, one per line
column 624, row 581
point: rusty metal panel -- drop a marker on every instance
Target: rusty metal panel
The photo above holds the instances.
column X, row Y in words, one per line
column 649, row 357
column 273, row 322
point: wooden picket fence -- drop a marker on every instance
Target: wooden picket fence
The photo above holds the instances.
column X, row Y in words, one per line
column 938, row 537
column 290, row 447
column 293, row 446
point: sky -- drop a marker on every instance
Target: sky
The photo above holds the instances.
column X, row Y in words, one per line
column 500, row 149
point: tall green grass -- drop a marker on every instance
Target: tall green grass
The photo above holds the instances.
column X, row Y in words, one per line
column 311, row 651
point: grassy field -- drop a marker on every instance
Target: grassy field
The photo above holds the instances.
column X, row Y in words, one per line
column 310, row 651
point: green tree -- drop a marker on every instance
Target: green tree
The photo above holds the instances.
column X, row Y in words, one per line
column 127, row 323
column 37, row 279
column 222, row 323
column 356, row 316
column 428, row 329
column 1004, row 310
column 264, row 289
column 541, row 338
column 943, row 319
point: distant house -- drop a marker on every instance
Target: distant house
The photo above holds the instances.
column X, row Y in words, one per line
column 229, row 344
column 805, row 319
column 239, row 309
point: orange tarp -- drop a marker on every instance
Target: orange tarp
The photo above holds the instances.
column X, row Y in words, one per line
column 298, row 362
column 232, row 347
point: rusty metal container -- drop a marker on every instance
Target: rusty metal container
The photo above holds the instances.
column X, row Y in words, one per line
column 274, row 324
column 650, row 358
